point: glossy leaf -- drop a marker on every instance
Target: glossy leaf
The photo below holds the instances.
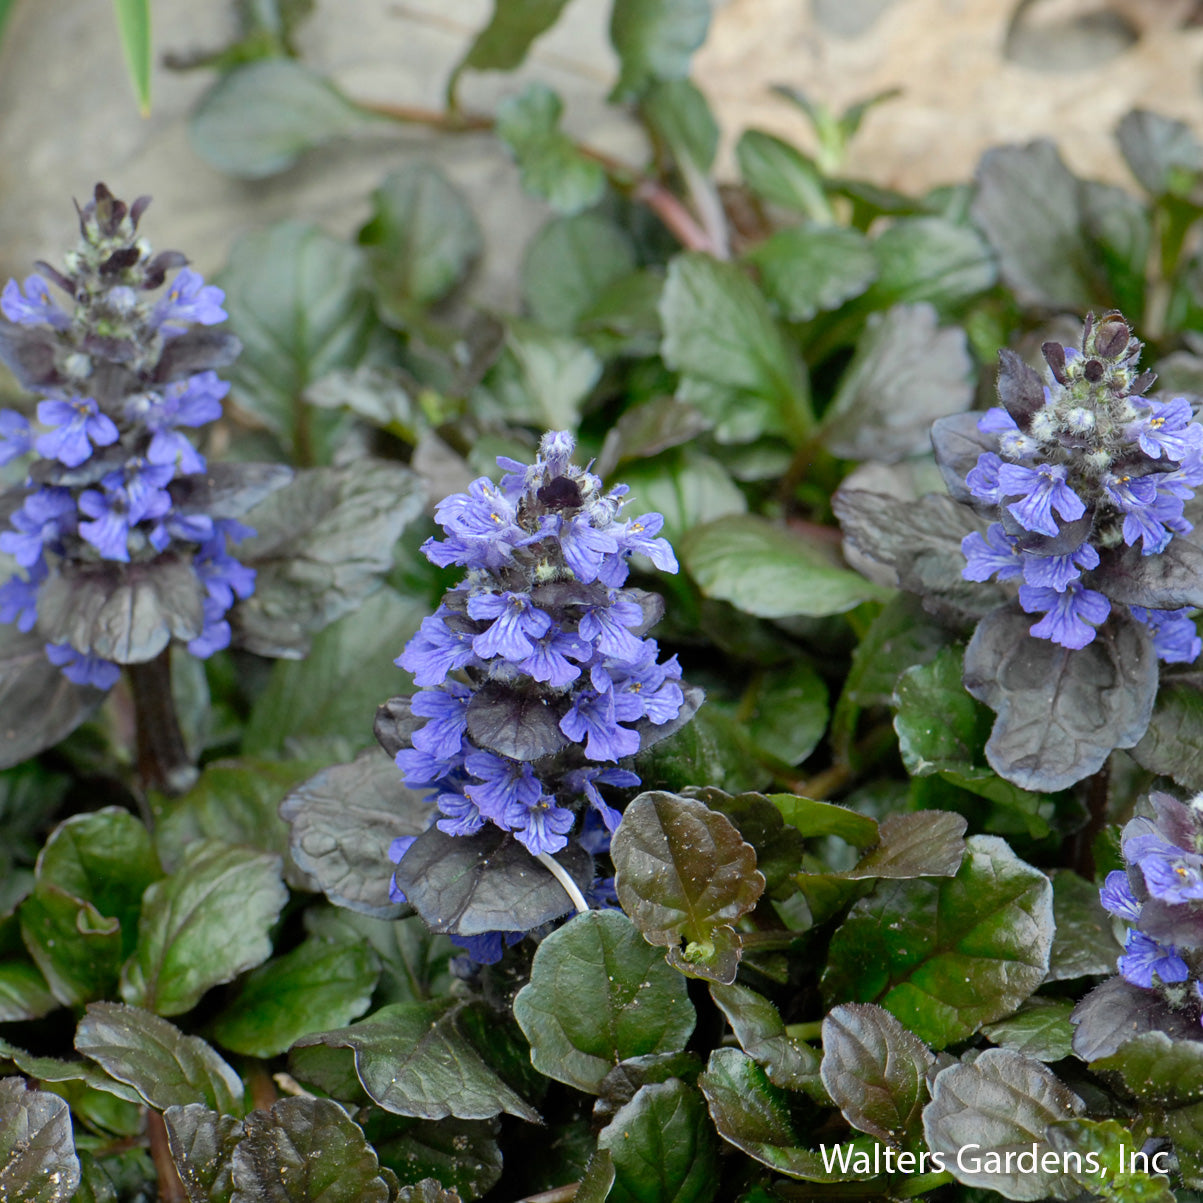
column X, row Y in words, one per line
column 485, row 882
column 317, row 985
column 205, row 924
column 907, row 372
column 638, row 1005
column 1084, row 943
column 875, row 1071
column 77, row 949
column 813, row 818
column 930, row 259
column 662, row 1148
column 927, row 843
column 568, row 266
column 299, row 300
column 305, row 1151
column 944, row 978
column 24, row 993
column 202, row 1144
column 514, row 26
column 754, row 1115
column 421, row 240
column 687, row 488
column 809, row 269
column 782, row 174
column 1117, row 1011
column 37, row 1154
column 342, row 823
column 761, row 1033
column 1111, row 1144
column 413, row 1060
column 1039, row 1029
column 258, row 119
column 939, row 725
column 770, row 571
column 1000, row 1102
column 122, row 612
column 323, row 547
column 552, row 167
column 1060, row 711
column 462, row 1155
column 167, row 1068
column 655, row 40
column 711, row 747
column 1158, row 1068
column 683, row 871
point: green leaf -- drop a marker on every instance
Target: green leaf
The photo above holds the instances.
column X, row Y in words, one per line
column 421, row 240
column 1001, row 1102
column 875, row 1071
column 811, row 268
column 514, row 26
column 947, row 956
column 552, row 167
column 686, row 487
column 305, row 1151
column 23, row 992
column 1027, row 205
column 104, row 857
column 662, row 1148
column 234, row 801
column 333, row 693
column 683, row 872
column 781, row 174
column 762, row 1034
column 153, row 1056
column 1173, row 744
column 1158, row 1068
column 939, row 725
column 655, row 39
column 1039, row 1029
column 772, row 572
column 719, row 330
column 258, row 119
column 677, row 112
column 317, row 985
column 300, row 302
column 412, row 1060
column 927, row 843
column 77, row 949
column 133, row 27
column 1163, row 154
column 544, row 378
column 205, row 924
column 1084, row 943
column 66, row 1073
column 569, row 264
column 754, row 1115
column 202, row 1144
column 460, row 1154
column 37, row 1154
column 930, row 259
column 813, row 818
column 1112, row 1147
column 907, row 372
column 637, row 1004
column 787, row 711
column 712, row 748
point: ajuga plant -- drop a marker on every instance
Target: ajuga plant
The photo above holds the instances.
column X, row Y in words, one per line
column 536, row 685
column 122, row 535
column 1158, row 897
column 1065, row 536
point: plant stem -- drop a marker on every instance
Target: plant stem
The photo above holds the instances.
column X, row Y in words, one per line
column 171, row 1189
column 805, row 1031
column 558, row 871
column 1082, row 842
column 163, row 760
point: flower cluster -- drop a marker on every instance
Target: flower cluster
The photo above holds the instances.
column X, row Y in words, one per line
column 1160, row 897
column 1079, row 466
column 555, row 682
column 124, row 373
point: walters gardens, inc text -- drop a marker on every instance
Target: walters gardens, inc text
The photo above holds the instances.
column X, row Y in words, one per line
column 973, row 1162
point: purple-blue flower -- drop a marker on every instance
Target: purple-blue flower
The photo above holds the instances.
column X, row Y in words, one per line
column 81, row 668
column 1056, row 572
column 188, row 299
column 1144, row 957
column 1117, row 897
column 586, row 781
column 41, row 521
column 1072, row 615
column 447, row 710
column 543, row 827
column 1167, row 429
column 35, row 306
column 436, row 650
column 516, row 623
column 1042, row 490
column 108, row 528
column 1171, row 874
column 1175, row 639
column 592, row 720
column 500, row 784
column 990, row 554
column 76, row 426
column 16, row 438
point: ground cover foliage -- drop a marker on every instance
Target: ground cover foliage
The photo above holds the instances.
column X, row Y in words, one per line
column 776, row 829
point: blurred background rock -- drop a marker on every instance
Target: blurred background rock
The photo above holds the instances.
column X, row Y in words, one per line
column 969, row 73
